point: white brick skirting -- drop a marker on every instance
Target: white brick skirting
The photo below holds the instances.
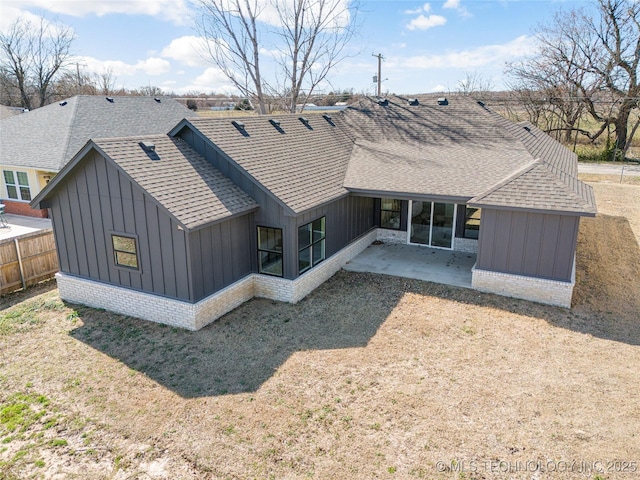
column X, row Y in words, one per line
column 194, row 316
column 468, row 245
column 551, row 292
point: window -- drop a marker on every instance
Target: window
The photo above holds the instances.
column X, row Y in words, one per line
column 124, row 251
column 471, row 222
column 270, row 250
column 17, row 190
column 390, row 213
column 311, row 239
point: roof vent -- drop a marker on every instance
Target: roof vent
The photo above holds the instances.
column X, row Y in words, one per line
column 327, row 117
column 383, row 102
column 481, row 103
column 109, row 99
column 148, row 146
column 305, row 122
column 414, row 102
column 241, row 128
column 528, row 129
column 275, row 123
column 443, row 101
column 157, row 100
column 63, row 103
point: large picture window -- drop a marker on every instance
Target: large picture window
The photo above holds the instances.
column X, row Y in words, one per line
column 17, row 185
column 124, row 251
column 390, row 213
column 270, row 251
column 311, row 241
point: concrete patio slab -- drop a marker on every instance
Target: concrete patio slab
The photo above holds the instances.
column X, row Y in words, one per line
column 19, row 225
column 412, row 261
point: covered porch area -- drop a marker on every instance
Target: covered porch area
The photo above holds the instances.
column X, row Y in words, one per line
column 414, row 261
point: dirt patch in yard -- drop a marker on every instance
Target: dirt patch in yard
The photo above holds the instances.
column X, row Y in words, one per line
column 369, row 377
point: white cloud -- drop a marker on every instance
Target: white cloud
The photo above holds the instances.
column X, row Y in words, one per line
column 176, row 11
column 10, row 15
column 424, row 23
column 471, row 58
column 187, row 50
column 425, row 8
column 438, row 88
column 211, row 80
column 151, row 66
column 455, row 5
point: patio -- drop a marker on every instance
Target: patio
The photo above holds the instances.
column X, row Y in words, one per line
column 413, row 261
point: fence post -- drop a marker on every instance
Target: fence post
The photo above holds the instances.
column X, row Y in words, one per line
column 24, row 284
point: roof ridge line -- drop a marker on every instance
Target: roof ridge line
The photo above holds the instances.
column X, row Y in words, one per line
column 515, row 175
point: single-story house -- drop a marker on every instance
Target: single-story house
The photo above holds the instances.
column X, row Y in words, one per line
column 37, row 144
column 182, row 228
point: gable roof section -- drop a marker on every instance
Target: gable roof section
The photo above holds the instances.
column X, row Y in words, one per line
column 457, row 150
column 540, row 187
column 182, row 182
column 301, row 166
column 48, row 137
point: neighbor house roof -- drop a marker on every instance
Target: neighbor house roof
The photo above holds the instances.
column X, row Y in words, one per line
column 48, row 137
column 301, row 164
column 180, row 180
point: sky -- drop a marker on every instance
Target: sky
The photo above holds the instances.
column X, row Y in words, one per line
column 427, row 46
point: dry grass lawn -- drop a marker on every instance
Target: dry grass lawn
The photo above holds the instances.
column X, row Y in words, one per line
column 368, row 377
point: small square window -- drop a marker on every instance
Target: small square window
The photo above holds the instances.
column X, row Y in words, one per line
column 125, row 251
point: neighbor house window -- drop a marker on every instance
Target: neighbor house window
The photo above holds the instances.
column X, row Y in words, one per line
column 390, row 213
column 17, row 185
column 311, row 239
column 471, row 222
column 124, row 251
column 270, row 250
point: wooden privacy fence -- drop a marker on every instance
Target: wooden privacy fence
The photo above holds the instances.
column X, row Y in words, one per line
column 26, row 260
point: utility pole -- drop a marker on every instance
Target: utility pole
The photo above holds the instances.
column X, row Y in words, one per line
column 380, row 58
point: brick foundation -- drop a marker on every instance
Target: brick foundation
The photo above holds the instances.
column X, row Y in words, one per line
column 23, row 208
column 468, row 245
column 551, row 292
column 194, row 316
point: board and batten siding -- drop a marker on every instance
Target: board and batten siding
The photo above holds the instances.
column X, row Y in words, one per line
column 98, row 200
column 347, row 217
column 221, row 254
column 527, row 243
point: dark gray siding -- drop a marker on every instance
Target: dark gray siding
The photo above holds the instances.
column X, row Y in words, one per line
column 221, row 254
column 525, row 243
column 98, row 200
column 347, row 218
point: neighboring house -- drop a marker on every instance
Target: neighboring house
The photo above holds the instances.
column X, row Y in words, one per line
column 34, row 146
column 182, row 228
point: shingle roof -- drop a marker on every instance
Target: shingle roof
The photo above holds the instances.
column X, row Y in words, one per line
column 455, row 150
column 7, row 112
column 179, row 179
column 303, row 166
column 461, row 150
column 540, row 187
column 48, row 137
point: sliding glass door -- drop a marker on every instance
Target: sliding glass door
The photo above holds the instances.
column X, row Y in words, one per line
column 432, row 223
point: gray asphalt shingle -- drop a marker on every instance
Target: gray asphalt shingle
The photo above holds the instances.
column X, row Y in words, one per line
column 178, row 178
column 48, row 137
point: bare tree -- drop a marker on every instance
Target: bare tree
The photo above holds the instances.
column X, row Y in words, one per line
column 474, row 84
column 32, row 55
column 586, row 65
column 105, row 81
column 304, row 38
